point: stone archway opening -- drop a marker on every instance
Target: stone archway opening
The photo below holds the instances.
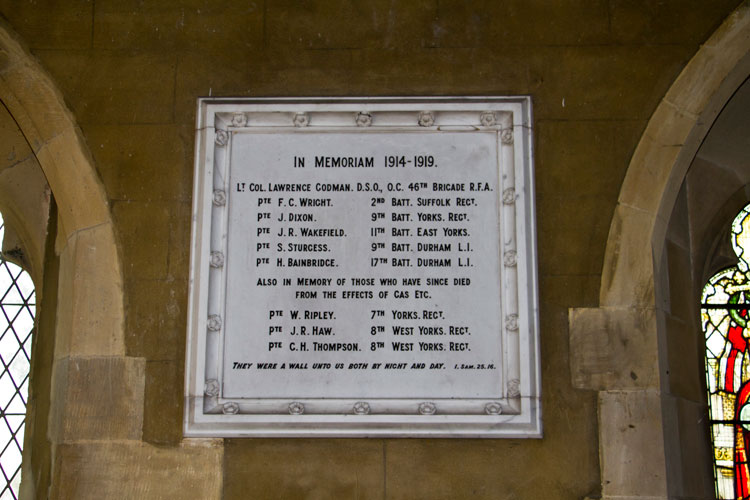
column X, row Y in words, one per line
column 630, row 348
column 92, row 430
column 43, row 154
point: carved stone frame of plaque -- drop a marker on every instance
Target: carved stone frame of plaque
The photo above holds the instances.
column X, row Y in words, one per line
column 326, row 405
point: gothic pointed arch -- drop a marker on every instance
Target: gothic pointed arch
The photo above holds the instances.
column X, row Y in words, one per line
column 43, row 150
column 625, row 348
column 90, row 319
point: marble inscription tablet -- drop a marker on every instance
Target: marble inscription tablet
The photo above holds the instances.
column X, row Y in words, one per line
column 363, row 267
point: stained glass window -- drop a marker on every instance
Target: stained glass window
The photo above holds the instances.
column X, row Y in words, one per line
column 17, row 308
column 724, row 317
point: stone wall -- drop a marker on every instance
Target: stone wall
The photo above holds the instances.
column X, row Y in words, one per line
column 130, row 73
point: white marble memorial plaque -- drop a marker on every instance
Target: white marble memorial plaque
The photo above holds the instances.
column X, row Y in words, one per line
column 363, row 267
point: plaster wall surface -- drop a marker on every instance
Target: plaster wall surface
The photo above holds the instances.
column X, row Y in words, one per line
column 130, row 72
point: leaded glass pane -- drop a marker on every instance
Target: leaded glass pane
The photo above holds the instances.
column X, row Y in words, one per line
column 725, row 313
column 17, row 309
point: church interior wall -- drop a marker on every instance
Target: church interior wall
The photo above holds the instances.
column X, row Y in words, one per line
column 130, row 73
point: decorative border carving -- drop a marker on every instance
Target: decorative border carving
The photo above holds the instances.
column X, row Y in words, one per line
column 361, row 408
column 239, row 120
column 511, row 322
column 427, row 408
column 426, row 119
column 230, row 408
column 493, row 408
column 363, row 119
column 217, row 260
column 509, row 258
column 301, row 120
column 514, row 390
column 506, row 136
column 222, row 137
column 488, row 119
column 214, row 323
column 296, row 408
column 220, row 198
column 212, row 388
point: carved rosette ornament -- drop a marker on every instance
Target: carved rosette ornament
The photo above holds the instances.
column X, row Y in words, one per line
column 511, row 322
column 301, row 120
column 296, row 408
column 427, row 408
column 230, row 408
column 221, row 137
column 364, row 119
column 426, row 119
column 507, row 136
column 211, row 388
column 509, row 196
column 239, row 119
column 513, row 388
column 493, row 409
column 361, row 408
column 220, row 198
column 487, row 119
column 214, row 323
column 510, row 258
column 217, row 259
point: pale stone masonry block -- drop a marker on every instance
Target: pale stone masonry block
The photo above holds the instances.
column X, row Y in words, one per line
column 670, row 125
column 627, row 277
column 130, row 470
column 632, row 452
column 40, row 112
column 41, row 119
column 613, row 348
column 90, row 310
column 651, row 155
column 25, row 212
column 97, row 398
column 722, row 52
column 79, row 193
